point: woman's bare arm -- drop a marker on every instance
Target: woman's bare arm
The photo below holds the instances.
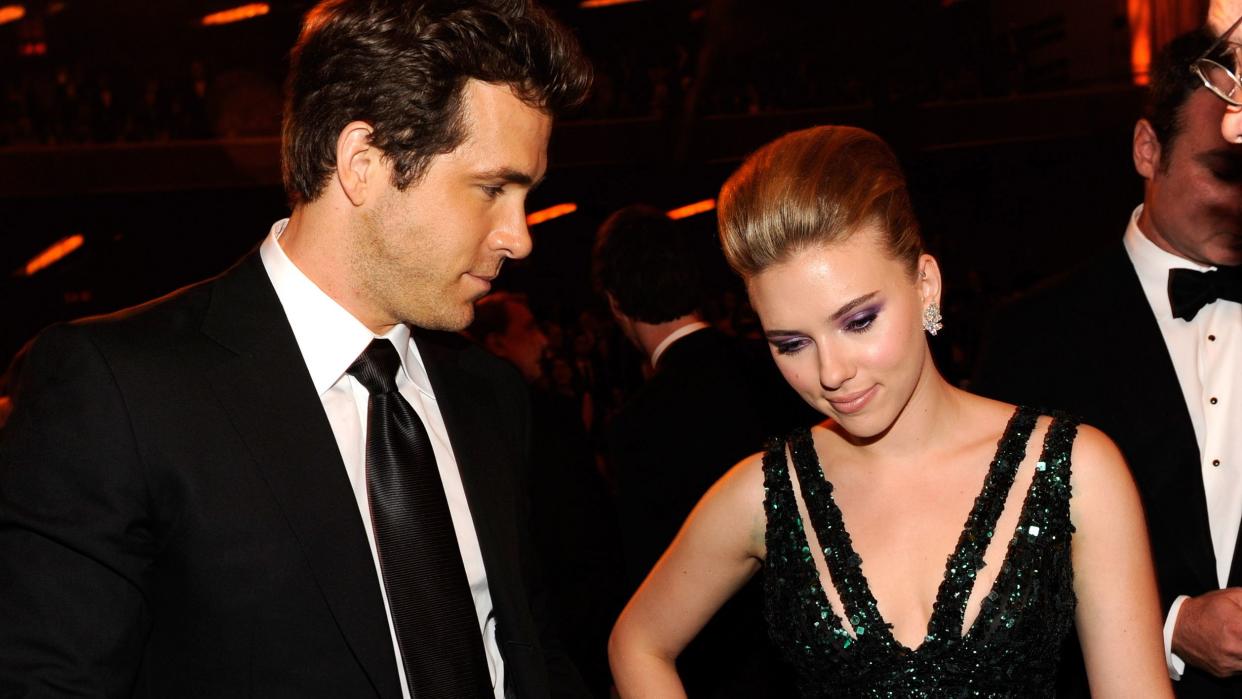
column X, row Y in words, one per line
column 1119, row 617
column 718, row 549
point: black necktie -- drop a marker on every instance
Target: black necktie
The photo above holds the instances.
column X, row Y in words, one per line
column 1190, row 291
column 428, row 593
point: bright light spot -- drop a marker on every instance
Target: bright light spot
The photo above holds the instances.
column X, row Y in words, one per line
column 589, row 4
column 1139, row 14
column 237, row 14
column 550, row 213
column 11, row 13
column 689, row 210
column 52, row 255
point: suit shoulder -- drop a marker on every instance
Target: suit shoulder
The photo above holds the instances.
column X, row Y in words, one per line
column 470, row 356
column 146, row 323
column 150, row 322
column 1080, row 287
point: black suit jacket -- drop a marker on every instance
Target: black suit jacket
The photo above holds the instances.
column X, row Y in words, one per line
column 176, row 520
column 1089, row 343
column 698, row 414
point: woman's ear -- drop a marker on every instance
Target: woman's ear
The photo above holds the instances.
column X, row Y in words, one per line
column 928, row 279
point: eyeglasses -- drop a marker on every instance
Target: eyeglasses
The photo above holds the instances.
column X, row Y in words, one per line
column 1216, row 77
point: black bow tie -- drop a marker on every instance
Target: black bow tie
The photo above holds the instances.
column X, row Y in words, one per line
column 1190, row 291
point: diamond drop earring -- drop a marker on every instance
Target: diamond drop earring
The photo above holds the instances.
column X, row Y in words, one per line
column 932, row 320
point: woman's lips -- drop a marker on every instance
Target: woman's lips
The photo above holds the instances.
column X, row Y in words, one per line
column 853, row 403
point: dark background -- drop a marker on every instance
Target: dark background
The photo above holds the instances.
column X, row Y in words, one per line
column 156, row 138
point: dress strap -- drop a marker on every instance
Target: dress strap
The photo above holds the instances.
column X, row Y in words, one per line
column 843, row 562
column 786, row 538
column 1044, row 524
column 1050, row 492
column 949, row 609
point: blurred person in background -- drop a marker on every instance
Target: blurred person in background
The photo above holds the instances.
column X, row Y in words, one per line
column 573, row 517
column 701, row 409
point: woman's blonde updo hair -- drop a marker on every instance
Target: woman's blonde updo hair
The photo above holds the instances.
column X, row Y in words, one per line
column 814, row 187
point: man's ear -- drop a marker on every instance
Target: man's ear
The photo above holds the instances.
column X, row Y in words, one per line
column 928, row 279
column 614, row 306
column 360, row 169
column 495, row 344
column 1147, row 149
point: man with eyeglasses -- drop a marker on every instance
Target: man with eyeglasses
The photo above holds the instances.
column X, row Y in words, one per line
column 1145, row 342
column 1224, row 18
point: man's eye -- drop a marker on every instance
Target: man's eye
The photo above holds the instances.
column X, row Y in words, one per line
column 493, row 190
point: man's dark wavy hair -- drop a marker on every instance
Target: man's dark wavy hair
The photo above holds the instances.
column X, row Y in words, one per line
column 1172, row 83
column 401, row 66
column 648, row 265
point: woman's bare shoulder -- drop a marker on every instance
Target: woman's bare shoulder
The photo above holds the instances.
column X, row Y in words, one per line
column 1097, row 464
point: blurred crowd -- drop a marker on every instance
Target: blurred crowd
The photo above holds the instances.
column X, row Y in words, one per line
column 669, row 62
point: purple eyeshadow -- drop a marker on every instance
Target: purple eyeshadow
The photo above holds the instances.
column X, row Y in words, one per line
column 870, row 311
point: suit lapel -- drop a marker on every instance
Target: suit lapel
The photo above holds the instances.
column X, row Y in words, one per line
column 269, row 395
column 1150, row 406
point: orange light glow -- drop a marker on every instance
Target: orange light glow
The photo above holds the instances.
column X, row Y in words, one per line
column 589, row 4
column 689, row 210
column 1139, row 14
column 11, row 13
column 55, row 253
column 550, row 213
column 237, row 14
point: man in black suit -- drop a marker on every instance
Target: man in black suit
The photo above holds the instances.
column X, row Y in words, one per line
column 289, row 480
column 1146, row 344
column 704, row 407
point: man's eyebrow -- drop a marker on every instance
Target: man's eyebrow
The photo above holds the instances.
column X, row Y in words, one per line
column 509, row 175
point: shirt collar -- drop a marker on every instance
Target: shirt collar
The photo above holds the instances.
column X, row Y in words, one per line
column 673, row 337
column 1152, row 263
column 329, row 337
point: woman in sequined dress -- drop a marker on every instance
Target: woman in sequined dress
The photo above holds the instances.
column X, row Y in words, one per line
column 852, row 540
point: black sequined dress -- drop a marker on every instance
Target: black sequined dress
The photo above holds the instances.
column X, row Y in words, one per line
column 1012, row 647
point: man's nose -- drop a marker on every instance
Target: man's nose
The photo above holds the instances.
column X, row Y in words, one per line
column 512, row 236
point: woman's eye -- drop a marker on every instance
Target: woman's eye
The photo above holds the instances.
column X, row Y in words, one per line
column 789, row 346
column 860, row 324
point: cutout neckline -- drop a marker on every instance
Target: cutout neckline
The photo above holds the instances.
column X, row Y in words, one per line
column 844, row 564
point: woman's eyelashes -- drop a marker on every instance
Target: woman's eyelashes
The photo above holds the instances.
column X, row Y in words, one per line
column 857, row 323
column 789, row 346
column 861, row 322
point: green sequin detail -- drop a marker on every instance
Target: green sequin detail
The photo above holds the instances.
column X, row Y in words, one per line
column 1012, row 647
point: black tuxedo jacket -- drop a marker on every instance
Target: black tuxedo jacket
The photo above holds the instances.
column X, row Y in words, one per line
column 695, row 417
column 176, row 520
column 1088, row 343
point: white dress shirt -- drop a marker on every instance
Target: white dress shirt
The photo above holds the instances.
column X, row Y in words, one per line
column 330, row 339
column 674, row 337
column 1206, row 353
